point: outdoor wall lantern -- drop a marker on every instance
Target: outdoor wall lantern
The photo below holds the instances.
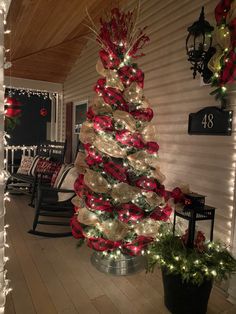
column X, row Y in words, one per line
column 198, row 47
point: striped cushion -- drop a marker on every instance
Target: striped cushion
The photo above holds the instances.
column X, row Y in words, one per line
column 33, row 166
column 67, row 182
column 58, row 176
column 55, row 174
column 63, row 176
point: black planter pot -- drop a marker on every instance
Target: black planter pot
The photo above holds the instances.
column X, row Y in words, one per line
column 185, row 298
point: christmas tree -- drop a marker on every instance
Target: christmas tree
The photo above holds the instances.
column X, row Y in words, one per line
column 120, row 200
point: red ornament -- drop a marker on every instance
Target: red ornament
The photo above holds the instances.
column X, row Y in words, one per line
column 43, row 112
column 152, row 147
column 12, row 108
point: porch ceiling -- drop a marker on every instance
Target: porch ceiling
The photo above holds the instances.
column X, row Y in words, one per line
column 47, row 36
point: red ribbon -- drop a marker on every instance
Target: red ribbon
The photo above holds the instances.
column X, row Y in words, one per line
column 90, row 113
column 103, row 123
column 135, row 247
column 111, row 96
column 130, row 213
column 129, row 74
column 76, row 228
column 145, row 114
column 116, row 171
column 100, row 244
column 146, row 183
column 222, row 10
column 79, row 185
column 161, row 214
column 152, row 147
column 130, row 139
column 93, row 157
column 97, row 203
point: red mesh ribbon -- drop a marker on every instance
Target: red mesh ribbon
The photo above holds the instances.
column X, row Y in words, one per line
column 103, row 123
column 145, row 114
column 232, row 27
column 130, row 213
column 222, row 10
column 93, row 157
column 76, row 228
column 90, row 113
column 135, row 247
column 146, row 183
column 129, row 74
column 130, row 139
column 97, row 203
column 111, row 96
column 152, row 147
column 100, row 244
column 79, row 185
column 228, row 73
column 162, row 214
column 116, row 171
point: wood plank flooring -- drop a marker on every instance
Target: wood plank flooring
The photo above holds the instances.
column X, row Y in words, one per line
column 51, row 276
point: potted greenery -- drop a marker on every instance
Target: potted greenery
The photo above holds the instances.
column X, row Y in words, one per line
column 188, row 273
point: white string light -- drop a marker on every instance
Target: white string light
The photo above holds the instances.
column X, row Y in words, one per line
column 28, row 92
column 4, row 282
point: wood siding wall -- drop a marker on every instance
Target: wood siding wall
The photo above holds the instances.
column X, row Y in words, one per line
column 206, row 163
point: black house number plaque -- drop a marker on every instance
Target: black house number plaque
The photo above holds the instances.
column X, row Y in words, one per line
column 210, row 121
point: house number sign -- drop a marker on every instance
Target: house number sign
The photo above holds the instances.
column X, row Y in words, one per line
column 210, row 121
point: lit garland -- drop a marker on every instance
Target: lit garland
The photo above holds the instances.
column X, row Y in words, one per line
column 4, row 288
column 11, row 91
column 222, row 64
column 206, row 261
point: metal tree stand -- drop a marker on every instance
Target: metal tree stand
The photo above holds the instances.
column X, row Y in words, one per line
column 121, row 266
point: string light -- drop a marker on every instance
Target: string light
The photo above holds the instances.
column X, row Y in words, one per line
column 11, row 90
column 4, row 282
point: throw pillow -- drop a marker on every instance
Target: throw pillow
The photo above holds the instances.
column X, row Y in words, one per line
column 25, row 164
column 32, row 170
column 46, row 166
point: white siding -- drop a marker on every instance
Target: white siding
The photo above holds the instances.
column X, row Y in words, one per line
column 206, row 163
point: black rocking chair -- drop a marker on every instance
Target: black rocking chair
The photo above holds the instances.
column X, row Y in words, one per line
column 47, row 205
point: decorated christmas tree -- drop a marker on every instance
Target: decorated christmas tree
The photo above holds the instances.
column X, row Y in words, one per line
column 121, row 200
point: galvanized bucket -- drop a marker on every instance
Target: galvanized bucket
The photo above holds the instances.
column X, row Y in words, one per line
column 121, row 266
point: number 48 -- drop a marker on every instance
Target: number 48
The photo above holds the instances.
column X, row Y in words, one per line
column 207, row 121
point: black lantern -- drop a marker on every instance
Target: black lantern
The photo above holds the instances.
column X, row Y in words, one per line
column 198, row 46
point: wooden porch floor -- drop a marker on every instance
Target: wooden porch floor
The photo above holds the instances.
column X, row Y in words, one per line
column 50, row 276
